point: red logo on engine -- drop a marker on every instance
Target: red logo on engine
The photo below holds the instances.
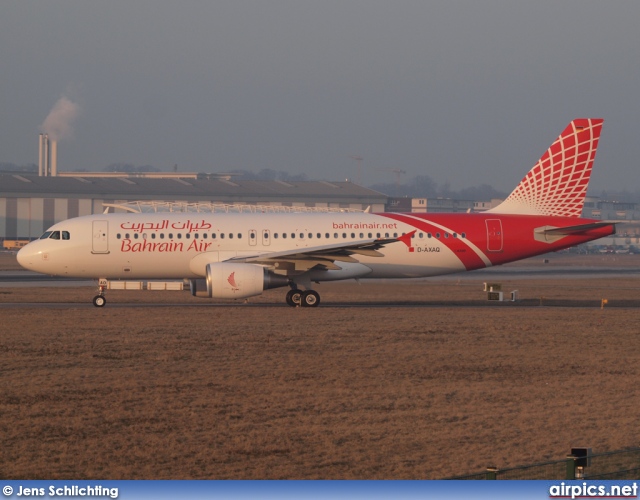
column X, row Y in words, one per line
column 232, row 280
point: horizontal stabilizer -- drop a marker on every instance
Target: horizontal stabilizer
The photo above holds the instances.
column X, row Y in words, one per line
column 549, row 234
column 580, row 228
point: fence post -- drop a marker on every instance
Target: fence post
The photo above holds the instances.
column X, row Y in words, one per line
column 492, row 473
column 571, row 467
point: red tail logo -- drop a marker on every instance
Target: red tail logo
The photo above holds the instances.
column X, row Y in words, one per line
column 557, row 184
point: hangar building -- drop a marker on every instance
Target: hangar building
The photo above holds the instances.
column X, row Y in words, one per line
column 30, row 203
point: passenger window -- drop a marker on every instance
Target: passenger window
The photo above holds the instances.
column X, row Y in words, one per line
column 284, row 235
column 135, row 236
column 275, row 235
column 205, row 236
column 188, row 235
column 161, row 236
column 421, row 235
column 438, row 235
column 428, row 235
column 239, row 235
column 446, row 235
column 170, row 236
column 126, row 236
column 153, row 236
column 310, row 235
column 222, row 236
column 196, row 236
column 344, row 235
column 293, row 235
column 179, row 235
column 335, row 235
column 252, row 236
column 361, row 235
column 326, row 235
column 353, row 235
column 370, row 235
column 301, row 236
column 455, row 235
column 230, row 235
column 213, row 236
column 464, row 235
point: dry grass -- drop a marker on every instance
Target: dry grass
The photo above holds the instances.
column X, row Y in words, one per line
column 446, row 386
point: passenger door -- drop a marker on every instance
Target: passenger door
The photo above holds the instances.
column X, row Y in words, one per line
column 494, row 235
column 100, row 236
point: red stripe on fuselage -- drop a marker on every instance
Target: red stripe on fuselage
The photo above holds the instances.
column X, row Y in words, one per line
column 461, row 250
column 518, row 236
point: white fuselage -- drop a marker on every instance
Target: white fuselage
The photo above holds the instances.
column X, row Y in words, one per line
column 178, row 245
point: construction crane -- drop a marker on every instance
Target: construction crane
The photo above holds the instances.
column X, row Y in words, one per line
column 397, row 171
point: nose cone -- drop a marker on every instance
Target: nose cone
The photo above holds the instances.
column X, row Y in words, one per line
column 26, row 257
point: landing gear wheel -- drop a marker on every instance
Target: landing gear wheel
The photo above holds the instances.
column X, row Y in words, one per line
column 294, row 297
column 99, row 301
column 310, row 298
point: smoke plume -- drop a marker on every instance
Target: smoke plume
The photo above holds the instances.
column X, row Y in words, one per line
column 59, row 122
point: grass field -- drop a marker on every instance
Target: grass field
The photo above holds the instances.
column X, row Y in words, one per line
column 417, row 380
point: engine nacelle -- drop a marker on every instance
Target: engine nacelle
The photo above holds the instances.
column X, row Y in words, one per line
column 198, row 287
column 226, row 280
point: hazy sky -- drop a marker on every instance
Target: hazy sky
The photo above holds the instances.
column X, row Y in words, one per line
column 468, row 92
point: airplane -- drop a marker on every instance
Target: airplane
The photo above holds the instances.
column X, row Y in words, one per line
column 239, row 255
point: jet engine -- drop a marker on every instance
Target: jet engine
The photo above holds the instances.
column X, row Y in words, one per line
column 226, row 280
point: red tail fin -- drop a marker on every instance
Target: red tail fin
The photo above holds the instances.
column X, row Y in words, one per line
column 558, row 183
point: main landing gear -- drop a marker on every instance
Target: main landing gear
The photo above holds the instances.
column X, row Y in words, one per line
column 99, row 300
column 308, row 298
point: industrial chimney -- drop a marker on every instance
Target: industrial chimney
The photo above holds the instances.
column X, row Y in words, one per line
column 43, row 155
column 47, row 156
column 53, row 172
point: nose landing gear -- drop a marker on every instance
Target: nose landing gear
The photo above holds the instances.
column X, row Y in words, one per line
column 99, row 300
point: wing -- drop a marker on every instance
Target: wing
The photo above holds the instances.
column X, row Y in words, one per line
column 297, row 261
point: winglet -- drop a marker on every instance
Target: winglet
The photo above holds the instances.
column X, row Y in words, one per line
column 557, row 184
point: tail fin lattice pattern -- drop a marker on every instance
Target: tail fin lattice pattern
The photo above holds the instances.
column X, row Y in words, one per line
column 557, row 184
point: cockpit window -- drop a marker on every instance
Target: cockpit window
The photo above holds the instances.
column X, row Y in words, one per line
column 56, row 235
